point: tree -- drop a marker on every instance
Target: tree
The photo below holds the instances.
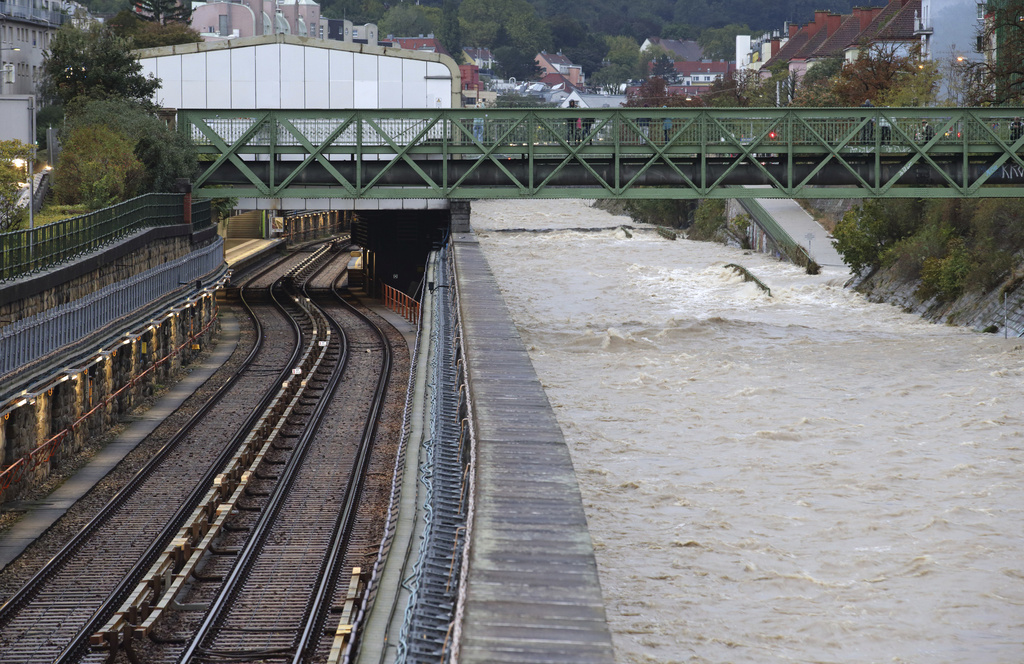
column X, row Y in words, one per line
column 623, row 52
column 450, row 33
column 589, row 54
column 165, row 155
column 149, row 34
column 886, row 74
column 513, row 100
column 97, row 168
column 514, row 62
column 818, row 86
column 1002, row 39
column 94, row 63
column 11, row 177
column 867, row 230
column 497, row 23
column 663, row 66
column 405, row 20
column 654, row 92
column 720, row 43
column 162, row 11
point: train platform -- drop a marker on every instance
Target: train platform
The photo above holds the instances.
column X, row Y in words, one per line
column 244, row 252
column 532, row 592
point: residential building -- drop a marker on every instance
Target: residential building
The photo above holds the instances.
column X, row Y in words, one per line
column 702, row 73
column 896, row 25
column 481, row 57
column 25, row 32
column 473, row 92
column 752, row 53
column 556, row 63
column 340, row 29
column 220, row 19
column 678, row 49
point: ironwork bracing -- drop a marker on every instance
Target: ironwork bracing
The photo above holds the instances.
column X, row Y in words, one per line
column 609, row 153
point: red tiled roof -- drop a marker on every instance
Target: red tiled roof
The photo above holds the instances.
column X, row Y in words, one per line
column 554, row 80
column 883, row 18
column 421, row 44
column 555, row 59
column 895, row 22
column 901, row 27
column 789, row 49
column 841, row 38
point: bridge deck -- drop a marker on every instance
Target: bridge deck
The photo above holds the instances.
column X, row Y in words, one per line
column 533, row 593
column 608, row 153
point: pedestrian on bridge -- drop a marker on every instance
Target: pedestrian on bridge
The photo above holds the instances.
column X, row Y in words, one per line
column 1016, row 129
column 926, row 134
column 867, row 134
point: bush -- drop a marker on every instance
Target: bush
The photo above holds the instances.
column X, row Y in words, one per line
column 947, row 277
column 663, row 212
column 907, row 256
column 867, row 230
column 708, row 220
column 97, row 168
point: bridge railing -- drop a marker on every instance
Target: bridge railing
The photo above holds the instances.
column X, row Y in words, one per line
column 357, row 153
column 32, row 250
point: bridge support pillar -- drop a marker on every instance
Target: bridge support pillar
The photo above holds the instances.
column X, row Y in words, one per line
column 459, row 211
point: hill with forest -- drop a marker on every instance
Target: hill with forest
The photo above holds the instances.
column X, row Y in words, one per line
column 639, row 19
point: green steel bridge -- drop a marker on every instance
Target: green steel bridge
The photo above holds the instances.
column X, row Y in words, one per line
column 679, row 153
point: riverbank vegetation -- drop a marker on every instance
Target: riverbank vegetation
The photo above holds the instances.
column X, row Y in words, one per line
column 950, row 246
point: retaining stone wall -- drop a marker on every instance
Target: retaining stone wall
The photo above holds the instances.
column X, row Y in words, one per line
column 153, row 255
column 53, row 410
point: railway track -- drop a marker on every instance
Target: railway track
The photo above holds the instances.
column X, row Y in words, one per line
column 293, row 559
column 52, row 617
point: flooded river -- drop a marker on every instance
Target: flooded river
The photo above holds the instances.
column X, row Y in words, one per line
column 805, row 477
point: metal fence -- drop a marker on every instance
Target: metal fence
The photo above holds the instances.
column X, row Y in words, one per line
column 434, row 585
column 32, row 338
column 28, row 251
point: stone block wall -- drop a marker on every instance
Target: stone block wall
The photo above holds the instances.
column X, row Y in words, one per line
column 153, row 254
column 85, row 402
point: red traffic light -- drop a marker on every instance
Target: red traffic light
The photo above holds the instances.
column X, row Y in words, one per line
column 773, row 134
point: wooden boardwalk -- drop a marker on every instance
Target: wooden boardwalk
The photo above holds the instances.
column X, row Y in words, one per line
column 532, row 592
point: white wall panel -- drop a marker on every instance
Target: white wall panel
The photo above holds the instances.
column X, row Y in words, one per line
column 243, row 78
column 364, row 68
column 414, row 83
column 293, row 76
column 389, row 71
column 439, row 86
column 218, row 79
column 268, row 85
column 193, row 80
column 341, row 79
column 317, row 78
column 168, row 70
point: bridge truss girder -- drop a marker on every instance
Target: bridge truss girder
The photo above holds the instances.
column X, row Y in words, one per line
column 679, row 153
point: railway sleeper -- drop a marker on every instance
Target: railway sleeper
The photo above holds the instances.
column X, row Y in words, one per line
column 176, row 565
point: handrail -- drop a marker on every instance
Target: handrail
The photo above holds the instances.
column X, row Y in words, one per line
column 749, row 276
column 403, row 305
column 33, row 250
